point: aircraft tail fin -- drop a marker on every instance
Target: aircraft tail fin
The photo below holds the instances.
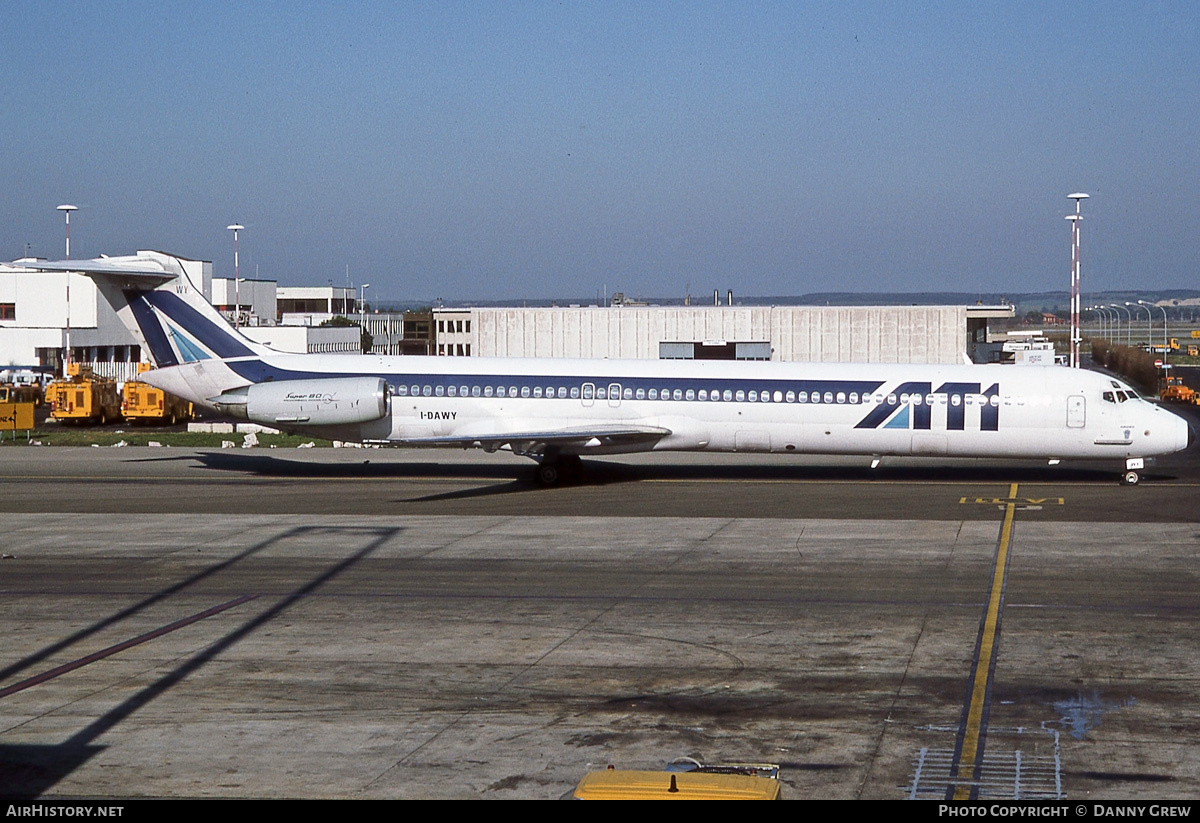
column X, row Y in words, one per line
column 157, row 297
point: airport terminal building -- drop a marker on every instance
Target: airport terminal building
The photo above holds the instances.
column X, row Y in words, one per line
column 821, row 334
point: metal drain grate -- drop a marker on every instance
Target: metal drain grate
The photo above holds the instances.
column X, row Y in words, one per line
column 1009, row 772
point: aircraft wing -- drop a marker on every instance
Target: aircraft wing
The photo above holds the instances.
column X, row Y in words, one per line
column 569, row 441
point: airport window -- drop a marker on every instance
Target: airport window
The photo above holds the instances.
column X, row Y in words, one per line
column 8, row 311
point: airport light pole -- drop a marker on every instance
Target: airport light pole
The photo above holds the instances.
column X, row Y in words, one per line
column 1113, row 330
column 1149, row 322
column 362, row 311
column 1096, row 311
column 1075, row 218
column 1108, row 323
column 66, row 209
column 1164, row 311
column 237, row 282
column 1128, row 324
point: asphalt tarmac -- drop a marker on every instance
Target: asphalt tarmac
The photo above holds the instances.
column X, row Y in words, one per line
column 386, row 623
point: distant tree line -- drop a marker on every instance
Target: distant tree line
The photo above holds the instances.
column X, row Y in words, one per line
column 1135, row 365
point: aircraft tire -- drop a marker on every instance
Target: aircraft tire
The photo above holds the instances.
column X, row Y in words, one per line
column 1130, row 478
column 548, row 474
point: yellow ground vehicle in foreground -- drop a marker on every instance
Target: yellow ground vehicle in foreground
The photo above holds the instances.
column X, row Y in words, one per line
column 82, row 397
column 682, row 780
column 1173, row 391
column 143, row 403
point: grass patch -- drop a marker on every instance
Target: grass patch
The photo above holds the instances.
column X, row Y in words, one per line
column 69, row 436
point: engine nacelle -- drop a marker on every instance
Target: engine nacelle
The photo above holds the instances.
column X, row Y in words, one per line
column 335, row 401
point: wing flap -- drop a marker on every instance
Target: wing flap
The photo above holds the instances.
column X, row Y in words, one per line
column 569, row 441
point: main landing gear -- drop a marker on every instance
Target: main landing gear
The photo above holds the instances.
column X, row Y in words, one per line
column 559, row 469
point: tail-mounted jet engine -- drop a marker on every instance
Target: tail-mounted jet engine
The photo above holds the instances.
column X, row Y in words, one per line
column 332, row 402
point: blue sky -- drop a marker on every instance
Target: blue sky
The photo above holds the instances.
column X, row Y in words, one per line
column 532, row 150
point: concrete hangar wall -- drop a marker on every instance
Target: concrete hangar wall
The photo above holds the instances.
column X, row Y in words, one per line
column 841, row 334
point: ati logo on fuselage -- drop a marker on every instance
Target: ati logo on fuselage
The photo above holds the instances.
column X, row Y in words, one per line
column 438, row 415
column 885, row 414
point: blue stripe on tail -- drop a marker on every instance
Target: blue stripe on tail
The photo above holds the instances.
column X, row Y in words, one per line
column 220, row 341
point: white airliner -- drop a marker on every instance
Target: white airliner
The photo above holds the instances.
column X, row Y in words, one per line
column 556, row 410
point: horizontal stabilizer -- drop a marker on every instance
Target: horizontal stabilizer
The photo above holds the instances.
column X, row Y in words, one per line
column 133, row 270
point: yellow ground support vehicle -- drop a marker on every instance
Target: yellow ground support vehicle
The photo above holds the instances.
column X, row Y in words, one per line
column 21, row 393
column 81, row 397
column 1173, row 391
column 682, row 780
column 143, row 403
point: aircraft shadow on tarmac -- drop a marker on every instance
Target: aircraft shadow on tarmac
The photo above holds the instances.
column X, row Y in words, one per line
column 517, row 478
column 30, row 770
